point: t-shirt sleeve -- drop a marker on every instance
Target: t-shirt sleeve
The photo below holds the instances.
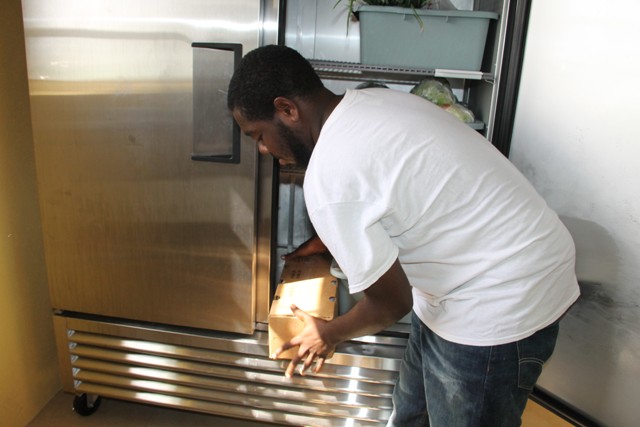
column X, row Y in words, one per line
column 358, row 241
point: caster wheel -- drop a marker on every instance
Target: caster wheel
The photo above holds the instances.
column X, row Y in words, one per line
column 86, row 405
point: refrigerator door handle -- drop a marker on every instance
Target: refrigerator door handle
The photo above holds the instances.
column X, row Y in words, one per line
column 216, row 135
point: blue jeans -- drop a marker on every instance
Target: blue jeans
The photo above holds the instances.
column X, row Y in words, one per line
column 443, row 384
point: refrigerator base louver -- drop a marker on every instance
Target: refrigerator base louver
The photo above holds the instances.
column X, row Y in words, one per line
column 226, row 374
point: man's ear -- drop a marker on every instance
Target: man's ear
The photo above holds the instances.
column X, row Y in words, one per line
column 286, row 109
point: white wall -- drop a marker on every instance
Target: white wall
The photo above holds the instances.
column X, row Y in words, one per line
column 576, row 138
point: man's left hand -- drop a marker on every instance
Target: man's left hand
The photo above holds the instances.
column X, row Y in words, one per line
column 312, row 347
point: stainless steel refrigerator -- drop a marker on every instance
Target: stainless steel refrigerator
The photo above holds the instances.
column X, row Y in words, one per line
column 162, row 223
column 147, row 193
column 158, row 216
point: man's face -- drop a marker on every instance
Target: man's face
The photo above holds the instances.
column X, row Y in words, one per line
column 276, row 138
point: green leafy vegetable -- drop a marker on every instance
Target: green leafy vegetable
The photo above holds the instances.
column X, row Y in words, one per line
column 460, row 112
column 439, row 92
column 435, row 91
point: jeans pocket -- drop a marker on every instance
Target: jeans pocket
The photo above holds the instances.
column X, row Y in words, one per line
column 528, row 373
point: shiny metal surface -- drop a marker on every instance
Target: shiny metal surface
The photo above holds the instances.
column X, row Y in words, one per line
column 134, row 228
column 216, row 136
column 227, row 374
column 487, row 97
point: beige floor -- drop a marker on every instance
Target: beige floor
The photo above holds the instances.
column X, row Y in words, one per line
column 114, row 413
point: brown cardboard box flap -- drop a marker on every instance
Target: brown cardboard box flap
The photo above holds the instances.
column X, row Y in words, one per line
column 307, row 283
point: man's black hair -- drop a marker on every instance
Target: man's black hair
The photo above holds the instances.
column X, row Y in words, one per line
column 267, row 73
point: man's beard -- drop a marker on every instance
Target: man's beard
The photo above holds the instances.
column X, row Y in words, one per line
column 299, row 150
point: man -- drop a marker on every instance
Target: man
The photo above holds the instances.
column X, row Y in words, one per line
column 421, row 213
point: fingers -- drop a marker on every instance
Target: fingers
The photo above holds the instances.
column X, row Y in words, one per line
column 299, row 313
column 286, row 346
column 295, row 341
column 292, row 255
column 294, row 361
column 299, row 253
column 311, row 358
column 292, row 367
column 308, row 361
column 312, row 246
column 319, row 364
column 311, row 347
column 307, row 356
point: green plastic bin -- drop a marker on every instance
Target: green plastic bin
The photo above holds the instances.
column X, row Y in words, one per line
column 450, row 39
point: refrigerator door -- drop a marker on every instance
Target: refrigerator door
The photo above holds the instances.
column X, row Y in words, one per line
column 135, row 228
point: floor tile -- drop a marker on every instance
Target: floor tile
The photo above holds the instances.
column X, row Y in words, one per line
column 116, row 413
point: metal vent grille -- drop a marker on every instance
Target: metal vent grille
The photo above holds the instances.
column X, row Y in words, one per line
column 232, row 376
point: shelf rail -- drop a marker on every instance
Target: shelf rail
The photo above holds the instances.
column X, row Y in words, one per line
column 389, row 74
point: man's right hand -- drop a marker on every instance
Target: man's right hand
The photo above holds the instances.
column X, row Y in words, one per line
column 313, row 246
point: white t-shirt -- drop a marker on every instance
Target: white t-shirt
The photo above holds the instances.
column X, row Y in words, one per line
column 394, row 176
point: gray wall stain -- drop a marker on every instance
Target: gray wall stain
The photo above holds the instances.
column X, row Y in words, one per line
column 600, row 335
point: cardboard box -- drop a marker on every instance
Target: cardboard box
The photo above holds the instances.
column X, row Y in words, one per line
column 307, row 283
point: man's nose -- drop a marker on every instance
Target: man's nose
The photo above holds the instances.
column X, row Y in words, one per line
column 262, row 149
